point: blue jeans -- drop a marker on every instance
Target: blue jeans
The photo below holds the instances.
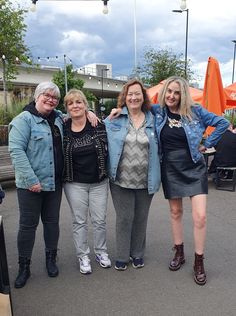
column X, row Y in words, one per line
column 32, row 205
column 88, row 199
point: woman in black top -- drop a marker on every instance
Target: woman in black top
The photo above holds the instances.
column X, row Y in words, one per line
column 86, row 187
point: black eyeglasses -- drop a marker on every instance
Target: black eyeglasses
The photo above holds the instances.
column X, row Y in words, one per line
column 49, row 96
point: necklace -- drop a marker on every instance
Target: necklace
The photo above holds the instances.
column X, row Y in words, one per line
column 174, row 123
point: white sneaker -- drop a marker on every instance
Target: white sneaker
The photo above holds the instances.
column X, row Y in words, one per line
column 85, row 267
column 103, row 260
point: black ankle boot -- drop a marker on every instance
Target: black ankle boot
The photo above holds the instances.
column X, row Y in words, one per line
column 24, row 272
column 51, row 266
column 178, row 259
column 199, row 271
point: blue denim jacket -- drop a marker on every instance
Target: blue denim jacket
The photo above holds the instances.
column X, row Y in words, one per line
column 31, row 150
column 117, row 130
column 194, row 129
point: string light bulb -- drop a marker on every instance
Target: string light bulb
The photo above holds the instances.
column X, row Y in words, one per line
column 33, row 6
column 183, row 5
column 105, row 8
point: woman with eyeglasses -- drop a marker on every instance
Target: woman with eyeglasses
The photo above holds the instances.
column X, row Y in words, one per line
column 35, row 145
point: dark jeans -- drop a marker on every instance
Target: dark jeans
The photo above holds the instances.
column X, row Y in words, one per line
column 32, row 205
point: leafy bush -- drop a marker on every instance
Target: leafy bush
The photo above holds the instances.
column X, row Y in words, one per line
column 7, row 116
column 231, row 116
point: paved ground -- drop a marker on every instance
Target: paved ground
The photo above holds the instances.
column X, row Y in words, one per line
column 153, row 290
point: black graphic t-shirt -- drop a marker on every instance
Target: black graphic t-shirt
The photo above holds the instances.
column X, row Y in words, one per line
column 173, row 135
column 85, row 165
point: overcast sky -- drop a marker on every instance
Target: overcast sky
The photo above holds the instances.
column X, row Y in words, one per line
column 80, row 30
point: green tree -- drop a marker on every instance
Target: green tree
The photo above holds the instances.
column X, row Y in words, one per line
column 12, row 47
column 73, row 82
column 161, row 64
column 109, row 105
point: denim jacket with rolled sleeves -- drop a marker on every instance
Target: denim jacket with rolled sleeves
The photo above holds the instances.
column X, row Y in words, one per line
column 117, row 130
column 194, row 129
column 31, row 150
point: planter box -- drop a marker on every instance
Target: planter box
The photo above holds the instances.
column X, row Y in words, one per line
column 3, row 135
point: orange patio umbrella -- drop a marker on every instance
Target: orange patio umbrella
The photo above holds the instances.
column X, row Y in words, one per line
column 153, row 92
column 213, row 93
column 230, row 95
column 196, row 94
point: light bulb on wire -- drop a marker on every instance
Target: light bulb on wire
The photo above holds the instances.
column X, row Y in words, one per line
column 33, row 6
column 105, row 8
column 183, row 5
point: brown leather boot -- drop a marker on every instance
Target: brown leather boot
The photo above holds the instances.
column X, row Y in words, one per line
column 199, row 272
column 178, row 259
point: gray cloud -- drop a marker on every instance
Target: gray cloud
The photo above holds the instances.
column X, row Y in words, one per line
column 79, row 30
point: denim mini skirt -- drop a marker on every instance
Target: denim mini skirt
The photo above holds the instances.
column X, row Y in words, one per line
column 181, row 177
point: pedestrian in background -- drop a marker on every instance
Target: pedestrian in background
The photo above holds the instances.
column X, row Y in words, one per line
column 134, row 172
column 225, row 155
column 86, row 182
column 35, row 145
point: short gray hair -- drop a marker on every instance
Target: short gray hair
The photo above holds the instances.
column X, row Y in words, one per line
column 44, row 86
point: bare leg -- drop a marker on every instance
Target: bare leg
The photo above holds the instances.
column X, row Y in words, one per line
column 199, row 222
column 199, row 233
column 176, row 212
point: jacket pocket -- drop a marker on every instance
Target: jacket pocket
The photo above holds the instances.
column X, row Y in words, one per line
column 36, row 137
column 115, row 127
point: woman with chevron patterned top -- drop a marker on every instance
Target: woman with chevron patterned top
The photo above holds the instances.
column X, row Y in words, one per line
column 133, row 167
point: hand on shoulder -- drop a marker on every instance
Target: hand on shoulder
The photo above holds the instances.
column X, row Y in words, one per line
column 115, row 112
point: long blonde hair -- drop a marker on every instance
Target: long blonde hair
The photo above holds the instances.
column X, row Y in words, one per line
column 186, row 100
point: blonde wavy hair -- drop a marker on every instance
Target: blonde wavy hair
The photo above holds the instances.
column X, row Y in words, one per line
column 186, row 101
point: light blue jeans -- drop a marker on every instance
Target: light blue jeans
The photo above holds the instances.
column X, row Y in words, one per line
column 88, row 199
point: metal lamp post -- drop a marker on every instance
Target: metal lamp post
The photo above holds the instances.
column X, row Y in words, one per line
column 135, row 40
column 234, row 41
column 65, row 74
column 183, row 7
column 102, row 71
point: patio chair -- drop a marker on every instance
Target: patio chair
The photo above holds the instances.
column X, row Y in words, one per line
column 223, row 181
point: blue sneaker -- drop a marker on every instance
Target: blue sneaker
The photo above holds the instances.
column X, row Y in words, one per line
column 120, row 266
column 137, row 262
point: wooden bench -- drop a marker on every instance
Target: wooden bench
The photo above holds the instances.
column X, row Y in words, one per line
column 7, row 173
column 225, row 183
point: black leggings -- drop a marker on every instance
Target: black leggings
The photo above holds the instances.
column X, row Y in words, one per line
column 32, row 205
